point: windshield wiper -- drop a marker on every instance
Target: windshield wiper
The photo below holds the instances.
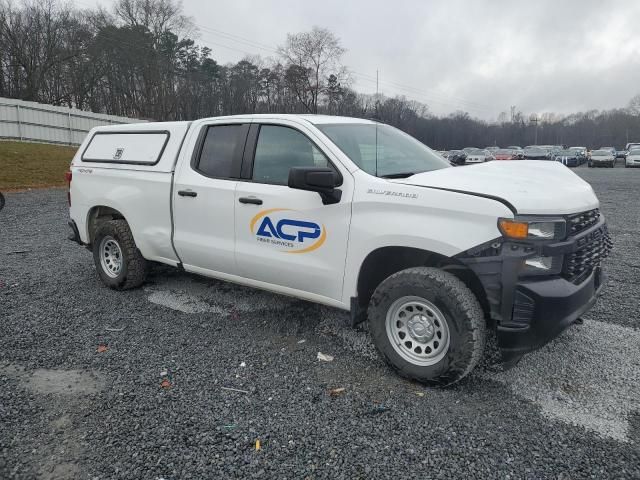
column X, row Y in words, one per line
column 399, row 175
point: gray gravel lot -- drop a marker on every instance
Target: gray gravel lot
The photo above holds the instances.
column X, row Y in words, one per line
column 571, row 410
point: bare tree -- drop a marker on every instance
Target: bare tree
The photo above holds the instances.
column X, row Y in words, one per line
column 157, row 16
column 312, row 57
column 633, row 107
column 36, row 40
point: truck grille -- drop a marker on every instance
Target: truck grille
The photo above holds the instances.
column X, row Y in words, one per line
column 593, row 249
column 581, row 221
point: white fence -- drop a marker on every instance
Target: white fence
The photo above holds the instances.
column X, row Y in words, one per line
column 31, row 121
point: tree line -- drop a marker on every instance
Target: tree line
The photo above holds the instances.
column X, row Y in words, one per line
column 140, row 59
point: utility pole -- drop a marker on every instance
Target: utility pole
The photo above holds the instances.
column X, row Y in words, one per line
column 534, row 119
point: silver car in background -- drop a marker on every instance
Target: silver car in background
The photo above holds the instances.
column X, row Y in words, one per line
column 478, row 156
column 602, row 158
column 633, row 158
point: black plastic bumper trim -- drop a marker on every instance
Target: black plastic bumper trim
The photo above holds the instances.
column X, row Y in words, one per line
column 558, row 304
column 74, row 236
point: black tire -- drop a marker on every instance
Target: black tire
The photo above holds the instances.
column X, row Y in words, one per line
column 133, row 270
column 455, row 301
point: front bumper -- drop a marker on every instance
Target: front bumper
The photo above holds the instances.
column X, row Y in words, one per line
column 528, row 312
column 549, row 307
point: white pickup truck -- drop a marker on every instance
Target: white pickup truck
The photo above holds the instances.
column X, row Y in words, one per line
column 353, row 214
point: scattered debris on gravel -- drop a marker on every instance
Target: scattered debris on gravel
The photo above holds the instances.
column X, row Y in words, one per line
column 205, row 379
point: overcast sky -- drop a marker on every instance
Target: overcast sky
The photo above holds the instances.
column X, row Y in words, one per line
column 478, row 56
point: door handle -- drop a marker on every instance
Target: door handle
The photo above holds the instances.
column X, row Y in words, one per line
column 252, row 200
column 187, row 193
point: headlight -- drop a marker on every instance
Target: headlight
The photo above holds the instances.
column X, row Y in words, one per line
column 542, row 266
column 553, row 229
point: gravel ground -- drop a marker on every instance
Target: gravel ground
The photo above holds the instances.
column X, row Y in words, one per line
column 70, row 410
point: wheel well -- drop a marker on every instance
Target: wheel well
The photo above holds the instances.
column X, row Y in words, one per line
column 386, row 261
column 98, row 215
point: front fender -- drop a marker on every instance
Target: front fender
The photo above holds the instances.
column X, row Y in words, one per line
column 438, row 221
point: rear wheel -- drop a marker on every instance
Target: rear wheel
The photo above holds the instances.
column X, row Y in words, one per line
column 427, row 325
column 119, row 263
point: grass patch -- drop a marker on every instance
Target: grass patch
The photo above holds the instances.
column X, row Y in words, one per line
column 33, row 165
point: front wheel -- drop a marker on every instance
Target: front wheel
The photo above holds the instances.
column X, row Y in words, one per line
column 119, row 263
column 427, row 325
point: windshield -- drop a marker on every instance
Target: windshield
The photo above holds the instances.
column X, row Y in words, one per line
column 601, row 153
column 478, row 151
column 565, row 152
column 397, row 154
column 504, row 152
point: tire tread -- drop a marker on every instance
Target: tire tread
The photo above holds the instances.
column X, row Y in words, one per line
column 136, row 263
column 467, row 306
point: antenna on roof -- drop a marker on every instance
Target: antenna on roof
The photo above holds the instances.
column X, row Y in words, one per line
column 376, row 120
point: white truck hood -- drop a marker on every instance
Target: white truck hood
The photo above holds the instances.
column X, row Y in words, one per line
column 532, row 187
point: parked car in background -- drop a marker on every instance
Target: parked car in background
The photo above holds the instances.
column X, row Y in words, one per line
column 569, row 158
column 602, row 158
column 630, row 146
column 581, row 152
column 492, row 149
column 468, row 150
column 633, row 158
column 478, row 156
column 548, row 148
column 457, row 157
column 621, row 154
column 610, row 149
column 505, row 154
column 536, row 153
column 519, row 151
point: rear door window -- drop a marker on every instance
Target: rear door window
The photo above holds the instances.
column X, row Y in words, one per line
column 221, row 150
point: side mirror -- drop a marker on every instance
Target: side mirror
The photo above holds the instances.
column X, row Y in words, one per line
column 315, row 179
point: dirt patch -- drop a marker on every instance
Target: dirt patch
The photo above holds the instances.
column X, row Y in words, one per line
column 65, row 382
column 57, row 382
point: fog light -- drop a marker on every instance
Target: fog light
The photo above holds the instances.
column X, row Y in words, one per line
column 542, row 265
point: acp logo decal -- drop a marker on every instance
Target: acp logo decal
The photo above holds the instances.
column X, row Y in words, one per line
column 297, row 236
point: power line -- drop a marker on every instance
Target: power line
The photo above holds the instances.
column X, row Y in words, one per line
column 431, row 96
column 423, row 96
